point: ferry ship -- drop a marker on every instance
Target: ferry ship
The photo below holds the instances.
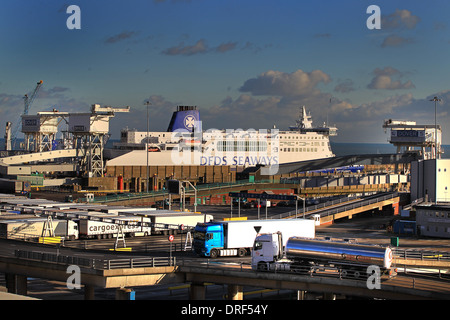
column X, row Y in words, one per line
column 185, row 143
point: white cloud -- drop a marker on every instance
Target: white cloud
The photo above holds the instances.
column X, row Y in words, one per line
column 400, row 19
column 384, row 79
column 279, row 83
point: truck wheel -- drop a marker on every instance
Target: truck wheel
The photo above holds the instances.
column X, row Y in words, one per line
column 242, row 252
column 214, row 253
column 262, row 266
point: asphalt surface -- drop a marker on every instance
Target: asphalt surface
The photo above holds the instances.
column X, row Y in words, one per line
column 366, row 228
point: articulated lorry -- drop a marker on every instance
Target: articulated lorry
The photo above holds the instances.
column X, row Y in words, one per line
column 26, row 229
column 105, row 226
column 303, row 255
column 236, row 238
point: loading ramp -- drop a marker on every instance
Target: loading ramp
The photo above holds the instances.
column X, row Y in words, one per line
column 337, row 210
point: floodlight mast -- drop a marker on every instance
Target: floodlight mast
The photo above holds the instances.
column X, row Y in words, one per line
column 437, row 153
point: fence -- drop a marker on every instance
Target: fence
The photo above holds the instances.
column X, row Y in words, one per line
column 200, row 187
column 412, row 254
column 98, row 264
column 355, row 203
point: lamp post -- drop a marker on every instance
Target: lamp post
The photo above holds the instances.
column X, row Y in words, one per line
column 146, row 144
column 435, row 99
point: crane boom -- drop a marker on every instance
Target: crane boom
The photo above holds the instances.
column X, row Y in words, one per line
column 27, row 102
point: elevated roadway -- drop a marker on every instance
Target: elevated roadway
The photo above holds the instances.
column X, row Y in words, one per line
column 102, row 270
column 224, row 189
column 333, row 210
column 400, row 287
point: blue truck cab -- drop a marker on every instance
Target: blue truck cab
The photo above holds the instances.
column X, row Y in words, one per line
column 208, row 239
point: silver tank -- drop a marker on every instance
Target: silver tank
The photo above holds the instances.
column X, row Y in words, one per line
column 326, row 250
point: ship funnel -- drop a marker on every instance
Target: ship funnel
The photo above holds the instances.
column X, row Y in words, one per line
column 184, row 118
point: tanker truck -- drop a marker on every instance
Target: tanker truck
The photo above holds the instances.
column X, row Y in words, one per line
column 236, row 238
column 304, row 255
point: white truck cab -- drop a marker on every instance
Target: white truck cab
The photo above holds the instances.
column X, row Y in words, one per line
column 267, row 251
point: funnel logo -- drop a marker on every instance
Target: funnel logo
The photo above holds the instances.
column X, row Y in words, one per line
column 189, row 121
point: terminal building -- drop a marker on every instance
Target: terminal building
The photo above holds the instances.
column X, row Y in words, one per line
column 433, row 220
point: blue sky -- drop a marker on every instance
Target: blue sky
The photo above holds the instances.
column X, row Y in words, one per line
column 245, row 64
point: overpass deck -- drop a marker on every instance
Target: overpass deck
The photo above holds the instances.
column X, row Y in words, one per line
column 337, row 209
column 135, row 272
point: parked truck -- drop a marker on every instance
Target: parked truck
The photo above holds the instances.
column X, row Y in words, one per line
column 26, row 229
column 105, row 226
column 309, row 255
column 236, row 238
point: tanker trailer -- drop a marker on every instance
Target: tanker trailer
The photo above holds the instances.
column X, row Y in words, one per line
column 312, row 255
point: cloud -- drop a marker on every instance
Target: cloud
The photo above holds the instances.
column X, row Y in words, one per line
column 394, row 40
column 322, row 35
column 384, row 80
column 345, row 86
column 400, row 19
column 285, row 84
column 200, row 47
column 254, row 47
column 120, row 37
column 224, row 47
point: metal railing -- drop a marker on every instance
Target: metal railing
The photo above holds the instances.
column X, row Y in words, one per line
column 200, row 187
column 316, row 206
column 359, row 204
column 413, row 254
column 98, row 264
column 350, row 206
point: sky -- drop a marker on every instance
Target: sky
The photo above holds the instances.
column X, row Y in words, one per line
column 243, row 63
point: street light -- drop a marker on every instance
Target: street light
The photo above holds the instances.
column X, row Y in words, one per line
column 435, row 99
column 146, row 144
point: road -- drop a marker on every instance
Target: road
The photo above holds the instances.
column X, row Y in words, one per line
column 365, row 228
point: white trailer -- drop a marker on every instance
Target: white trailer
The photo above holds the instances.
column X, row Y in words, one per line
column 172, row 223
column 105, row 226
column 235, row 238
column 34, row 228
column 243, row 233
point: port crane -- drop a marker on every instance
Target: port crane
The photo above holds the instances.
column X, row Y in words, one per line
column 28, row 100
